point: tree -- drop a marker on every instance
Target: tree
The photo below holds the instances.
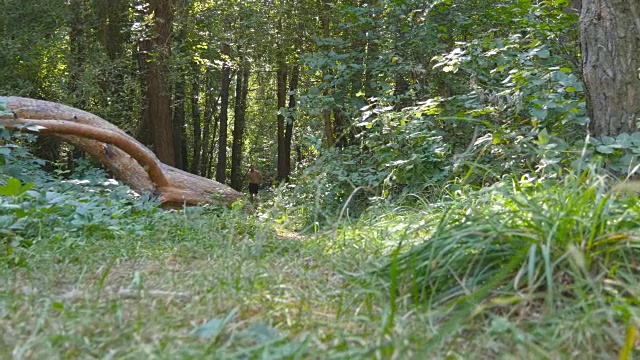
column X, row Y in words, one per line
column 210, row 121
column 158, row 93
column 221, row 166
column 195, row 119
column 240, row 106
column 610, row 43
column 121, row 154
column 291, row 116
column 281, row 74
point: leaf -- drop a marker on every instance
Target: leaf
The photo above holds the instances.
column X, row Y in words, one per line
column 212, row 328
column 635, row 136
column 539, row 114
column 607, row 140
column 604, row 149
column 624, row 141
column 12, row 188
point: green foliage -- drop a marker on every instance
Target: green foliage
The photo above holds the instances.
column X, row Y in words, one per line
column 557, row 232
column 620, row 154
column 504, row 98
column 404, row 145
column 38, row 206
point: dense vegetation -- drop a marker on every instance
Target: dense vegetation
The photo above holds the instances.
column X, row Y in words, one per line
column 434, row 186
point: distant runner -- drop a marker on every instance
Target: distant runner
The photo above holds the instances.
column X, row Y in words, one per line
column 255, row 179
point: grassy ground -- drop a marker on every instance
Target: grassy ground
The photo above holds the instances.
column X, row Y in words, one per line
column 256, row 291
column 230, row 285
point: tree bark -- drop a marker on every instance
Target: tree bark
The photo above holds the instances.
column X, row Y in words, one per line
column 339, row 129
column 111, row 32
column 178, row 122
column 221, row 166
column 281, row 98
column 121, row 154
column 288, row 133
column 326, row 111
column 195, row 119
column 208, row 141
column 159, row 99
column 212, row 148
column 242, row 84
column 141, row 51
column 328, row 128
column 610, row 42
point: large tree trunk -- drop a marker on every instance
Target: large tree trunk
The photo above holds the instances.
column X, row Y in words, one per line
column 121, row 154
column 610, row 41
column 159, row 99
column 242, row 89
column 208, row 141
column 288, row 133
column 179, row 120
column 282, row 98
column 326, row 111
column 113, row 25
column 179, row 117
column 195, row 119
column 221, row 166
column 141, row 52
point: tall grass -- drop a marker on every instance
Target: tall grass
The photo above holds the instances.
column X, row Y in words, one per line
column 541, row 248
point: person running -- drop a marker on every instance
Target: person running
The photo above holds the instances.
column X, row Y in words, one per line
column 255, row 179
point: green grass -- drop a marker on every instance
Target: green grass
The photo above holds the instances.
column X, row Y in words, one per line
column 546, row 270
column 145, row 297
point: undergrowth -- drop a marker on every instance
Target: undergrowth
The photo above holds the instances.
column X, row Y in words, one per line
column 526, row 268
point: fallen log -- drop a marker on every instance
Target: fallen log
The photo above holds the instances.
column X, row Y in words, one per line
column 126, row 158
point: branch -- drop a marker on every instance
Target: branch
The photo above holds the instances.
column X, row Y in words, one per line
column 148, row 161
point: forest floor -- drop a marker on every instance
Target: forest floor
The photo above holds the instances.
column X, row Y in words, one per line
column 227, row 287
column 192, row 288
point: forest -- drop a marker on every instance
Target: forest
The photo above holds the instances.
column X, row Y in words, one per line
column 319, row 179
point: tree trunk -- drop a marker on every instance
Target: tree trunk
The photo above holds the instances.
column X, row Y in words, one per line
column 221, row 166
column 328, row 128
column 339, row 128
column 242, row 84
column 610, row 41
column 288, row 134
column 210, row 106
column 282, row 98
column 113, row 30
column 122, row 155
column 141, row 50
column 326, row 111
column 113, row 23
column 195, row 119
column 159, row 99
column 179, row 119
column 142, row 55
column 216, row 121
column 76, row 58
